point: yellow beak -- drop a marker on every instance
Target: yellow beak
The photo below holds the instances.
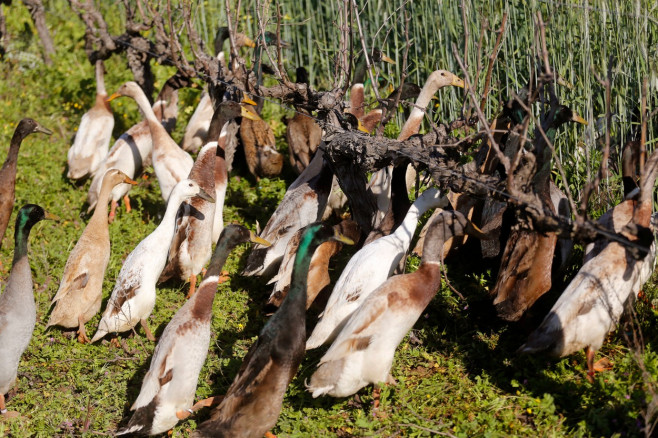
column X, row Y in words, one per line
column 387, row 59
column 249, row 42
column 112, row 97
column 254, row 238
column 576, row 118
column 248, row 101
column 248, row 114
column 341, row 238
column 52, row 217
column 362, row 128
column 457, row 82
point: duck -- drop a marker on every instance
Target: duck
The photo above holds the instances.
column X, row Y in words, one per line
column 171, row 163
column 357, row 91
column 263, row 160
column 368, row 269
column 18, row 312
column 380, row 182
column 24, row 128
column 169, row 385
column 607, row 283
column 93, row 136
column 318, row 274
column 196, row 224
column 303, row 134
column 196, row 131
column 363, row 351
column 132, row 151
column 133, row 297
column 253, row 402
column 78, row 298
column 304, row 203
column 525, row 267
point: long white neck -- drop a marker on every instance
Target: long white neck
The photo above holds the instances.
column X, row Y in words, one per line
column 431, row 198
column 100, row 79
column 412, row 125
column 165, row 231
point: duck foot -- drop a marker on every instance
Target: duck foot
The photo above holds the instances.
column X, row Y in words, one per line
column 269, row 435
column 4, row 413
column 147, row 331
column 205, row 403
column 82, row 334
column 601, row 365
column 223, row 276
column 376, row 393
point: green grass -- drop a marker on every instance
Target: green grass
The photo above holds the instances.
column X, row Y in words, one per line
column 458, row 374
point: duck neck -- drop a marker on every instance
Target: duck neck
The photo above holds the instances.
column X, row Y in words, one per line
column 359, row 71
column 166, row 228
column 100, row 212
column 299, row 282
column 145, row 107
column 219, row 119
column 407, row 228
column 23, row 227
column 412, row 125
column 14, row 146
column 100, row 79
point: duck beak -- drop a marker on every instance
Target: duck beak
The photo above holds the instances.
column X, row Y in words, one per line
column 129, row 181
column 249, row 42
column 251, row 115
column 112, row 97
column 457, row 82
column 362, row 128
column 575, row 117
column 248, row 101
column 473, row 230
column 51, row 216
column 387, row 59
column 254, row 238
column 203, row 195
column 43, row 130
column 341, row 238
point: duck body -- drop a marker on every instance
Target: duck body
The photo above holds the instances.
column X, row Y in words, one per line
column 171, row 163
column 132, row 151
column 93, row 136
column 368, row 269
column 197, row 127
column 80, row 291
column 253, row 401
column 363, row 351
column 8, row 171
column 303, row 134
column 133, row 296
column 303, row 204
column 169, row 385
column 17, row 306
column 259, row 144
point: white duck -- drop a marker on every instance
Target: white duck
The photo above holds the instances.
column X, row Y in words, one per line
column 590, row 307
column 133, row 297
column 132, row 151
column 368, row 269
column 92, row 139
column 169, row 385
column 171, row 163
column 363, row 351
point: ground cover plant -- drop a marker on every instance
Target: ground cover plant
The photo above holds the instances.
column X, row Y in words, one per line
column 457, row 372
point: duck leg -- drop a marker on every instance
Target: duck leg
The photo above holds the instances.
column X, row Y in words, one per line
column 82, row 334
column 192, row 286
column 205, row 403
column 147, row 331
column 113, row 211
column 126, row 202
column 590, row 353
column 4, row 413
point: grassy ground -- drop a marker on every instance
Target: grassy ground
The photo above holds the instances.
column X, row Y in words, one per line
column 457, row 373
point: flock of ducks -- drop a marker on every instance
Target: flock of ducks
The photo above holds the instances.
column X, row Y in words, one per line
column 368, row 311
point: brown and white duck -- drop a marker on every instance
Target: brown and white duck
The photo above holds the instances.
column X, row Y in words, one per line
column 8, row 172
column 93, row 136
column 196, row 225
column 168, row 387
column 132, row 151
column 363, row 351
column 170, row 162
column 78, row 298
column 18, row 311
column 302, row 133
column 607, row 283
column 259, row 144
